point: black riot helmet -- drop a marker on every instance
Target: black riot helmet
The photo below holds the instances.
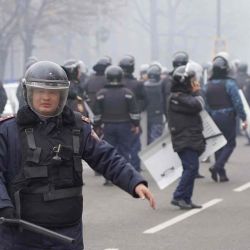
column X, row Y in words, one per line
column 180, row 58
column 114, row 75
column 46, row 75
column 127, row 63
column 154, row 72
column 220, row 68
column 72, row 68
column 102, row 64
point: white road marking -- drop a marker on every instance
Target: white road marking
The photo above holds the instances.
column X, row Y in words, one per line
column 111, row 249
column 181, row 217
column 243, row 187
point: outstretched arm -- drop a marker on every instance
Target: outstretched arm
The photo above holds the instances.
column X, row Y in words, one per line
column 144, row 193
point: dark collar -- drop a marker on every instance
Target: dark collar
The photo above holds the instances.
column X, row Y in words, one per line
column 27, row 117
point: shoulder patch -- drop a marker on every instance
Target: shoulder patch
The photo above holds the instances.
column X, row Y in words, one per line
column 85, row 119
column 6, row 118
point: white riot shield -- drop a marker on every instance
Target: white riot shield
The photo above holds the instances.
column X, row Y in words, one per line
column 247, row 110
column 213, row 136
column 161, row 161
column 164, row 164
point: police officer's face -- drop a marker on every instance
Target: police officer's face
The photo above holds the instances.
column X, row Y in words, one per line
column 45, row 101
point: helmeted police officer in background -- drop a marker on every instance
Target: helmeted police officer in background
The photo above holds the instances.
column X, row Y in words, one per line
column 246, row 87
column 97, row 80
column 155, row 103
column 40, row 163
column 116, row 109
column 223, row 103
column 19, row 92
column 180, row 58
column 127, row 63
column 76, row 90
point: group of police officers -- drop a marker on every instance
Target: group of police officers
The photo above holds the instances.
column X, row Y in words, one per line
column 42, row 146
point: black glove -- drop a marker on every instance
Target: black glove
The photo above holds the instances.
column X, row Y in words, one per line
column 7, row 212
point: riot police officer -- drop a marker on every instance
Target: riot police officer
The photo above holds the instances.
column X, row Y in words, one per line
column 116, row 108
column 127, row 63
column 19, row 92
column 180, row 58
column 40, row 163
column 155, row 103
column 97, row 80
column 76, row 90
column 223, row 104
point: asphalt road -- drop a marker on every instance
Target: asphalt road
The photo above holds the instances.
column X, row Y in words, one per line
column 113, row 220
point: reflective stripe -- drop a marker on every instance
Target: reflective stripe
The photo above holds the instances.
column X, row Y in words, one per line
column 97, row 117
column 128, row 96
column 135, row 116
column 99, row 97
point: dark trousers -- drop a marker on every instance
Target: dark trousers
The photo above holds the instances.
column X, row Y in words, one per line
column 227, row 125
column 12, row 239
column 119, row 135
column 154, row 131
column 134, row 150
column 190, row 163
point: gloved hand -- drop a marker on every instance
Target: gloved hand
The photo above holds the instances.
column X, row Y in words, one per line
column 8, row 212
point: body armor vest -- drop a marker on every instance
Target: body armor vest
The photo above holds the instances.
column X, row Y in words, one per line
column 154, row 96
column 217, row 97
column 48, row 188
column 115, row 105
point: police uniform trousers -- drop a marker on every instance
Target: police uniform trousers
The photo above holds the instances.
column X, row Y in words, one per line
column 226, row 122
column 119, row 135
column 190, row 163
column 11, row 238
column 155, row 131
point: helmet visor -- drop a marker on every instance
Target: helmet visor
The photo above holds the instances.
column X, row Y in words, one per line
column 47, row 99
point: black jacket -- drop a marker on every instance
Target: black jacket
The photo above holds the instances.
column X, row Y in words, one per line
column 184, row 121
column 100, row 155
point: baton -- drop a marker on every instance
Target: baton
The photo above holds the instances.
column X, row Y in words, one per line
column 38, row 229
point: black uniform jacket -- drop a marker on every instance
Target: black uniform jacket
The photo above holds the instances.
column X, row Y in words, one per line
column 184, row 121
column 100, row 155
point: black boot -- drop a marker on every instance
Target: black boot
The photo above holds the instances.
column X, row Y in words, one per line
column 214, row 173
column 199, row 176
column 223, row 178
column 181, row 204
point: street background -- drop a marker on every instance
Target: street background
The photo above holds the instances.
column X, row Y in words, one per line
column 114, row 220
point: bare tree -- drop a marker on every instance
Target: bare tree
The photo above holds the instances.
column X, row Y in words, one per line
column 37, row 19
column 10, row 12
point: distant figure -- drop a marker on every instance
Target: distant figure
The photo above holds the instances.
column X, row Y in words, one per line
column 155, row 100
column 97, row 80
column 185, row 126
column 19, row 92
column 76, row 90
column 223, row 103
